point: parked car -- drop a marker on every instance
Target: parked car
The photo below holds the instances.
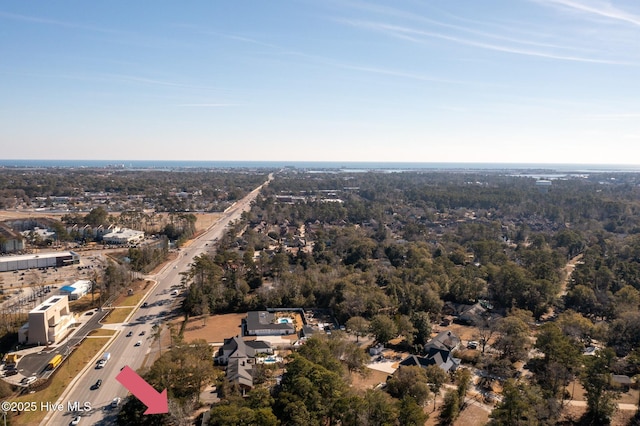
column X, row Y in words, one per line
column 145, row 304
column 29, row 380
column 115, row 402
column 11, row 372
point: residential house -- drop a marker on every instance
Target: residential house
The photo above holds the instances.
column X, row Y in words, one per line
column 249, row 348
column 439, row 351
column 239, row 357
column 263, row 323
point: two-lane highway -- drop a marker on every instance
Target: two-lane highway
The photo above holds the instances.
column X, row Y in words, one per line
column 123, row 349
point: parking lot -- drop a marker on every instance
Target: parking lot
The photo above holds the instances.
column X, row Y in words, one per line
column 22, row 290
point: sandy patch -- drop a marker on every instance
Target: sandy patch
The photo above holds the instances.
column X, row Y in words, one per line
column 387, row 367
column 372, row 379
column 216, row 329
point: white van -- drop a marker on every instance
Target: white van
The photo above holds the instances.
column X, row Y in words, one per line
column 29, row 380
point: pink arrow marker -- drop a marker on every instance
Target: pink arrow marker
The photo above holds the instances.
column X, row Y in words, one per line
column 156, row 402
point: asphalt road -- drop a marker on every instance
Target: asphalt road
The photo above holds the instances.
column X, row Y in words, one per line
column 122, row 349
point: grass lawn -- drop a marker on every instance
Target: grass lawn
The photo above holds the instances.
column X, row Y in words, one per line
column 132, row 300
column 66, row 372
column 117, row 315
column 102, row 332
column 85, row 303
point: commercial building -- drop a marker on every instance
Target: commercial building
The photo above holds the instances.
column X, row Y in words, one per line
column 123, row 236
column 76, row 290
column 10, row 240
column 48, row 322
column 41, row 260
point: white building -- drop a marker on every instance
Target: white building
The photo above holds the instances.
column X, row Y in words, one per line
column 123, row 236
column 41, row 260
column 76, row 290
column 48, row 322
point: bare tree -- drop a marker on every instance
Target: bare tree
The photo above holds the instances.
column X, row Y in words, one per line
column 486, row 330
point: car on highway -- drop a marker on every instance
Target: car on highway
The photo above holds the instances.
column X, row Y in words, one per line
column 138, row 343
column 75, row 421
column 129, row 334
column 142, row 333
column 97, row 384
column 115, row 402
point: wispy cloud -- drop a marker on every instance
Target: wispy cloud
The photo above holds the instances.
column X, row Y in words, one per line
column 206, row 105
column 55, row 22
column 601, row 9
column 395, row 73
column 329, row 62
column 152, row 81
column 421, row 36
column 390, row 12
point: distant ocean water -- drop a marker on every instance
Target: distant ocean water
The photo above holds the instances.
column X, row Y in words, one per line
column 314, row 165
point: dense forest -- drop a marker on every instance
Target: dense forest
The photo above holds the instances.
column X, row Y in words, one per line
column 387, row 251
column 123, row 189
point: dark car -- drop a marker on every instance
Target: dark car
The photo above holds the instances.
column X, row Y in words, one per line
column 145, row 304
column 10, row 372
column 129, row 334
column 142, row 333
column 97, row 384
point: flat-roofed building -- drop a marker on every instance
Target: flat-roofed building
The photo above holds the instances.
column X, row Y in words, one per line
column 76, row 290
column 48, row 322
column 123, row 236
column 55, row 259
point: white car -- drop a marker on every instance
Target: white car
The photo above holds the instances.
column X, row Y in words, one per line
column 115, row 402
column 75, row 421
column 29, row 380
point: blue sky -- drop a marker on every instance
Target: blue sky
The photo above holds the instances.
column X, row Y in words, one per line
column 551, row 81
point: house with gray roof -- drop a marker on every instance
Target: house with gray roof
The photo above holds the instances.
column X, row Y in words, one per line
column 437, row 352
column 237, row 345
column 263, row 323
column 239, row 357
